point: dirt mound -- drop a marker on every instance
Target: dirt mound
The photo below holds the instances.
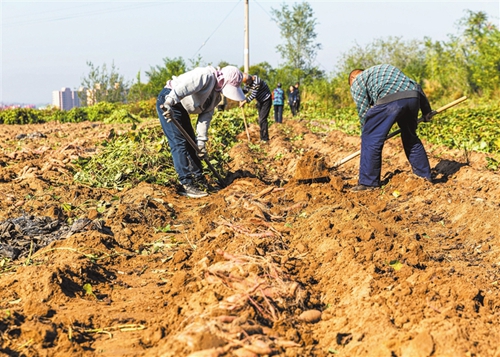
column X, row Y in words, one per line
column 285, row 261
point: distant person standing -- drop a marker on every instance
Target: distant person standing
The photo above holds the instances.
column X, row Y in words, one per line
column 259, row 90
column 278, row 102
column 292, row 100
column 297, row 97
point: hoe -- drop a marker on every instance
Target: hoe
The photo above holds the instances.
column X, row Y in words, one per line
column 396, row 132
column 220, row 180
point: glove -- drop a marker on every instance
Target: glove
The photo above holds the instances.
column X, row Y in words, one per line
column 428, row 116
column 167, row 107
column 202, row 149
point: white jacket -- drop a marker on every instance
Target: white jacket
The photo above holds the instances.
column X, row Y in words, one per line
column 196, row 92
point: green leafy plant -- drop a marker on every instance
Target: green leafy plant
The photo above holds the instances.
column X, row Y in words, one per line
column 125, row 160
column 492, row 164
column 89, row 290
column 396, row 265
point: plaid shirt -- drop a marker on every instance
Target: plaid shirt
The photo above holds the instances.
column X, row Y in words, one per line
column 375, row 83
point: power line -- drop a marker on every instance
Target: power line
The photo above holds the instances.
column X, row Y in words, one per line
column 81, row 14
column 204, row 43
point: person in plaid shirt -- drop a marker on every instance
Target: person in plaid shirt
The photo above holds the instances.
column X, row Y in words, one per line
column 384, row 95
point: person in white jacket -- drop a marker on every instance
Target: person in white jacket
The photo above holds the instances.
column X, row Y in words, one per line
column 195, row 92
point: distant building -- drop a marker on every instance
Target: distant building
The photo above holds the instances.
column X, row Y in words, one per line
column 65, row 99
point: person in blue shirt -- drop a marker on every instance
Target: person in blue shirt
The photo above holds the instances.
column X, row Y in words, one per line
column 278, row 102
column 384, row 96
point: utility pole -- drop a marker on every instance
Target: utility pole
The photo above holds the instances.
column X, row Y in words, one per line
column 247, row 51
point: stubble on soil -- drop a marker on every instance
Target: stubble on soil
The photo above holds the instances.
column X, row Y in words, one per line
column 285, row 261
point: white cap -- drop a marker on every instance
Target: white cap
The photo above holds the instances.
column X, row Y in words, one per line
column 232, row 83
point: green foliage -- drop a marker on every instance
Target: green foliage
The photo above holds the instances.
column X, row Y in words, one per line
column 158, row 77
column 124, row 161
column 103, row 85
column 473, row 129
column 464, row 128
column 468, row 63
column 481, row 45
column 143, row 108
column 75, row 115
column 142, row 155
column 121, row 115
column 137, row 91
column 492, row 164
column 52, row 114
column 224, row 128
column 263, row 70
column 297, row 27
column 20, row 116
column 103, row 111
column 100, row 111
column 408, row 56
column 446, row 71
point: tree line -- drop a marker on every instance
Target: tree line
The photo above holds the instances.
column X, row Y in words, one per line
column 466, row 64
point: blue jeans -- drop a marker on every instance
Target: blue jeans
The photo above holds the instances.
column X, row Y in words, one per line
column 187, row 164
column 378, row 121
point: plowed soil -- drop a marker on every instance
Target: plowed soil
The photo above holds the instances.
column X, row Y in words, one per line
column 284, row 261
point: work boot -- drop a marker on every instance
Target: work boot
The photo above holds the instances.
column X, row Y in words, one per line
column 190, row 190
column 360, row 188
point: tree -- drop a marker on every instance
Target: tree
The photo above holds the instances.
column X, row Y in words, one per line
column 408, row 56
column 103, row 85
column 137, row 91
column 480, row 43
column 263, row 70
column 297, row 28
column 160, row 74
column 468, row 63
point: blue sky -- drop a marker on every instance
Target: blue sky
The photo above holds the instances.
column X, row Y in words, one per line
column 46, row 45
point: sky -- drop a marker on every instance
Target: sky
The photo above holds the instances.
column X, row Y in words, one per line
column 45, row 45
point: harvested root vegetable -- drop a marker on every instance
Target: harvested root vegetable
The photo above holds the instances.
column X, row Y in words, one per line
column 311, row 316
column 259, row 347
column 212, row 352
column 286, row 343
column 227, row 319
column 242, row 352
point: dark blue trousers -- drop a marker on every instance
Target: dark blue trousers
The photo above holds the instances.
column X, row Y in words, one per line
column 378, row 121
column 278, row 113
column 187, row 164
column 264, row 108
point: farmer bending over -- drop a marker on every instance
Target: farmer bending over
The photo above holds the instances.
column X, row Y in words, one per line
column 195, row 92
column 384, row 96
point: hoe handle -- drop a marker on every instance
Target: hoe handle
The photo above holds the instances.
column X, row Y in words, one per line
column 449, row 105
column 197, row 149
column 245, row 122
